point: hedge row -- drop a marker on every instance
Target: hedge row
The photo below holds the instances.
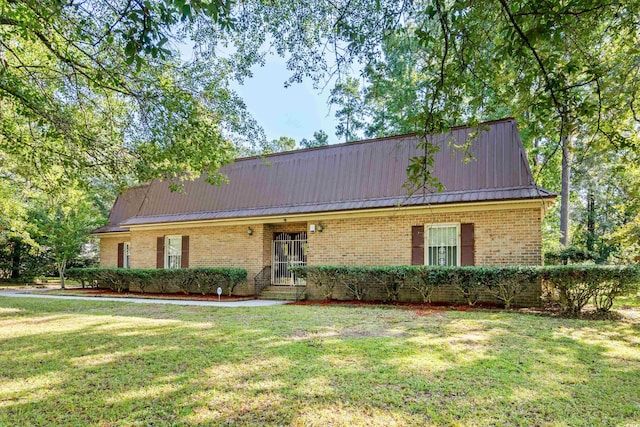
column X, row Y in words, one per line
column 189, row 280
column 571, row 286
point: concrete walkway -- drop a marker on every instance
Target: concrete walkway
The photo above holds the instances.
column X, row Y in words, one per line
column 247, row 303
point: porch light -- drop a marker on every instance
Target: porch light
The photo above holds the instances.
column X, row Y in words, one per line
column 249, row 231
column 320, row 227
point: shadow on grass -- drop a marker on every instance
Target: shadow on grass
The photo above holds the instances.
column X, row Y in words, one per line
column 79, row 363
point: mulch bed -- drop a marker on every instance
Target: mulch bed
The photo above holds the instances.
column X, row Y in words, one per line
column 93, row 292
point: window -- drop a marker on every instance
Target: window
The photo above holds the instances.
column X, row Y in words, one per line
column 173, row 252
column 126, row 253
column 443, row 245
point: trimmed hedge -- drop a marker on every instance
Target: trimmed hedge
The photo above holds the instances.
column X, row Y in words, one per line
column 571, row 286
column 189, row 280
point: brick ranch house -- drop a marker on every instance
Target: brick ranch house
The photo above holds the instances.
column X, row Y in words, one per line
column 341, row 204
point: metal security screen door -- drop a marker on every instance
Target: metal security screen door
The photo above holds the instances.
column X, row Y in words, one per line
column 289, row 250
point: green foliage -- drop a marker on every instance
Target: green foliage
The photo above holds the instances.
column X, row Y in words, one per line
column 428, row 279
column 569, row 255
column 392, row 279
column 355, row 282
column 21, row 262
column 96, row 90
column 320, row 139
column 323, row 277
column 346, row 94
column 284, row 143
column 189, row 280
column 470, row 281
column 62, row 224
column 574, row 286
column 505, row 284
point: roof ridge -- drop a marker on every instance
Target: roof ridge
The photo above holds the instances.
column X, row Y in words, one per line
column 368, row 140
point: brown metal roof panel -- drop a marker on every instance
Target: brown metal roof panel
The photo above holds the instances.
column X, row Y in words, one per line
column 109, row 229
column 356, row 171
column 438, row 198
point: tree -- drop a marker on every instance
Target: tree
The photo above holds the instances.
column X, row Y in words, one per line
column 61, row 225
column 395, row 87
column 320, row 139
column 567, row 71
column 537, row 57
column 94, row 87
column 284, row 143
column 346, row 95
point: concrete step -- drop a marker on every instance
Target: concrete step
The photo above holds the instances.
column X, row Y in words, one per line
column 282, row 293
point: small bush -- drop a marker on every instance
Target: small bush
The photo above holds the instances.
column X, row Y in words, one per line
column 354, row 281
column 569, row 255
column 506, row 283
column 575, row 285
column 325, row 278
column 469, row 281
column 425, row 280
column 621, row 281
column 81, row 275
column 392, row 279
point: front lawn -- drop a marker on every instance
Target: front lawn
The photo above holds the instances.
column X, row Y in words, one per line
column 75, row 363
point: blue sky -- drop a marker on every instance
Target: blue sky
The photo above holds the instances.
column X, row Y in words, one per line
column 296, row 111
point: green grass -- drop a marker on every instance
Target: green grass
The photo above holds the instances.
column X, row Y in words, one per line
column 76, row 363
column 628, row 301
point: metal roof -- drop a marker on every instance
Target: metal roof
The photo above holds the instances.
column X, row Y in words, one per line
column 355, row 175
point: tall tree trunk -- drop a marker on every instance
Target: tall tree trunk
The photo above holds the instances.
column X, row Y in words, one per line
column 16, row 254
column 591, row 220
column 566, row 187
column 61, row 268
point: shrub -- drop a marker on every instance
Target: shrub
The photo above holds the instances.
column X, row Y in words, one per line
column 327, row 277
column 323, row 277
column 189, row 280
column 354, row 279
column 469, row 281
column 82, row 275
column 575, row 285
column 506, row 283
column 392, row 279
column 425, row 280
column 569, row 255
column 621, row 281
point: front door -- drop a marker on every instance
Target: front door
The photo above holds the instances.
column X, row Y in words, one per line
column 289, row 250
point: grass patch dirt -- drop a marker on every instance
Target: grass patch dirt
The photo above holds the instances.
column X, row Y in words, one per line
column 67, row 363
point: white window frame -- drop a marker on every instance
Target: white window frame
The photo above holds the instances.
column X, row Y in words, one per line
column 126, row 255
column 458, row 241
column 167, row 255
